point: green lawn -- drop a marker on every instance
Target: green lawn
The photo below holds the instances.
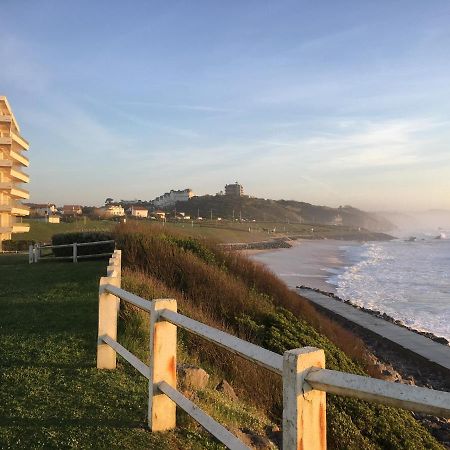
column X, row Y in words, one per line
column 43, row 232
column 52, row 395
column 246, row 232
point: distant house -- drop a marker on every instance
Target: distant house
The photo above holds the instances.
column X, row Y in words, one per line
column 42, row 209
column 113, row 211
column 72, row 210
column 160, row 215
column 50, row 219
column 234, row 190
column 138, row 211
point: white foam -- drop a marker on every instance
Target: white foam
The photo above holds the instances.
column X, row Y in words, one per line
column 409, row 281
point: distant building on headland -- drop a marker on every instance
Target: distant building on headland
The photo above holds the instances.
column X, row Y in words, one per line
column 171, row 198
column 234, row 190
column 12, row 161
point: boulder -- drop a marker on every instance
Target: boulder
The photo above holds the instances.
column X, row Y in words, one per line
column 226, row 389
column 192, row 377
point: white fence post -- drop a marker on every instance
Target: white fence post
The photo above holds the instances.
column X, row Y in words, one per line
column 304, row 408
column 108, row 307
column 36, row 253
column 30, row 254
column 75, row 255
column 163, row 367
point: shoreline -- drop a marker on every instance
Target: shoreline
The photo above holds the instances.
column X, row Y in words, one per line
column 439, row 339
column 316, row 264
column 312, row 263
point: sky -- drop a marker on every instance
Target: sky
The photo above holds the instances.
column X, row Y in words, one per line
column 327, row 102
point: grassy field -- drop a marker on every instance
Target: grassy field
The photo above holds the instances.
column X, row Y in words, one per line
column 52, row 395
column 246, row 232
column 43, row 232
column 225, row 231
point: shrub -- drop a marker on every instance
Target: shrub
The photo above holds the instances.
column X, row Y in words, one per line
column 87, row 236
column 17, row 246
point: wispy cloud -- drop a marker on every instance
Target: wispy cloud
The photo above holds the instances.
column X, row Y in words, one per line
column 199, row 108
column 20, row 67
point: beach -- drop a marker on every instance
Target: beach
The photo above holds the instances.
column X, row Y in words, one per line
column 309, row 262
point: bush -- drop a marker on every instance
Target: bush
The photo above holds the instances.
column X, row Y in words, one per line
column 17, row 246
column 80, row 237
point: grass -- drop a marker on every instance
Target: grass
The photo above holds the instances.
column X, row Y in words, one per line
column 43, row 232
column 247, row 232
column 52, row 395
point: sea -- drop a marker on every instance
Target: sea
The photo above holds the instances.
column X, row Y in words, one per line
column 408, row 279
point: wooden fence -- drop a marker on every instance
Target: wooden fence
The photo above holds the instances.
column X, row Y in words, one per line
column 35, row 251
column 305, row 379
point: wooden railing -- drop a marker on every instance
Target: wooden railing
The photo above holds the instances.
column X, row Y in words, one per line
column 305, row 379
column 35, row 251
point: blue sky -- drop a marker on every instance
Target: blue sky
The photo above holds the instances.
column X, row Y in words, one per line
column 328, row 102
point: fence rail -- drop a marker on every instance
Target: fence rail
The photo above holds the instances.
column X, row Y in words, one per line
column 305, row 379
column 35, row 251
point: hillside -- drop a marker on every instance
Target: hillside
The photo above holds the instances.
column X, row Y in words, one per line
column 281, row 211
column 258, row 307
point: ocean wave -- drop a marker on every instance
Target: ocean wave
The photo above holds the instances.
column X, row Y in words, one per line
column 408, row 281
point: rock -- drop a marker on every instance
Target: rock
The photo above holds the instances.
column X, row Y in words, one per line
column 192, row 377
column 225, row 388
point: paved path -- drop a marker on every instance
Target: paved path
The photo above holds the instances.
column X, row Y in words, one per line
column 428, row 349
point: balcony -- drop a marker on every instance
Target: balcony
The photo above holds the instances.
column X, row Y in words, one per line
column 20, row 228
column 18, row 175
column 16, row 209
column 14, row 191
column 19, row 158
column 20, row 140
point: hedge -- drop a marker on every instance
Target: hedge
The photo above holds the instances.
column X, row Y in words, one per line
column 79, row 237
column 17, row 246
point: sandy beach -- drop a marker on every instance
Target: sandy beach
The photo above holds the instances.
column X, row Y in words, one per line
column 308, row 262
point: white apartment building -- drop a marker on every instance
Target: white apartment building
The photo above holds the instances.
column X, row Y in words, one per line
column 12, row 179
column 170, row 198
column 114, row 211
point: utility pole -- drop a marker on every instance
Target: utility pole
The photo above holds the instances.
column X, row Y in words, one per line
column 233, row 215
column 198, row 213
column 210, row 212
column 240, row 216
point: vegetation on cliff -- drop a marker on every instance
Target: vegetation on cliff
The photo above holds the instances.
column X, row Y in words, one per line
column 230, row 292
column 267, row 210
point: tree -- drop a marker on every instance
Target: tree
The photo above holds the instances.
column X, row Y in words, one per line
column 109, row 200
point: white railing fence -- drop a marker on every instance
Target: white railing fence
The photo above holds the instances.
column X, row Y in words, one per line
column 35, row 251
column 305, row 379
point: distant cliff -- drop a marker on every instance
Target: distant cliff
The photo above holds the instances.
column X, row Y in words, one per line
column 282, row 211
